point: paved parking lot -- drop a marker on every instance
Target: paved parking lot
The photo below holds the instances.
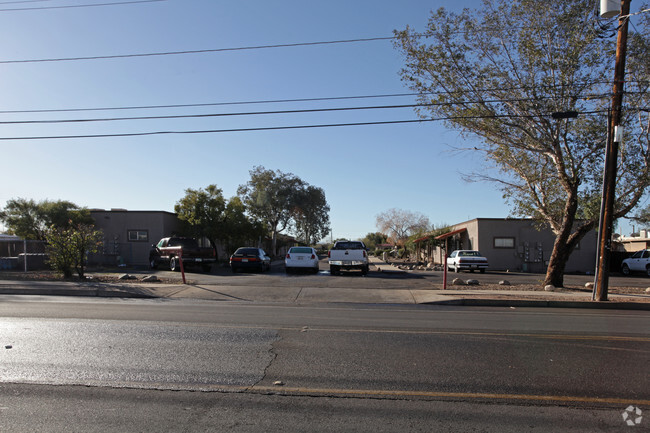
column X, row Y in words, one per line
column 384, row 280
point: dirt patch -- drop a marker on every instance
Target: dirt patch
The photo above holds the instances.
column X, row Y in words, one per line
column 564, row 298
column 537, row 288
column 91, row 277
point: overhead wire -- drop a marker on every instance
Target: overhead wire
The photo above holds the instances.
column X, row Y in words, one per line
column 275, row 101
column 23, row 1
column 270, row 128
column 294, row 111
column 207, row 50
column 77, row 6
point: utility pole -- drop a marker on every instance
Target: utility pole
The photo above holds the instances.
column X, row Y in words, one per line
column 601, row 284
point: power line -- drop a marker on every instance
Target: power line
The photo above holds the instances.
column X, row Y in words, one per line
column 270, row 128
column 209, row 50
column 209, row 104
column 275, row 101
column 257, row 113
column 76, row 6
column 23, row 1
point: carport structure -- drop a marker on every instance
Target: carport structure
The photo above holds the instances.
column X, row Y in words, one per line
column 432, row 249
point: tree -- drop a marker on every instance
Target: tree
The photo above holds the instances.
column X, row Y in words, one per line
column 32, row 220
column 202, row 213
column 399, row 224
column 68, row 247
column 238, row 228
column 371, row 240
column 282, row 200
column 500, row 84
column 311, row 215
column 642, row 216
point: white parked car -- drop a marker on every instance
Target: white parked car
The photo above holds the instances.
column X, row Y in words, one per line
column 639, row 262
column 467, row 260
column 301, row 258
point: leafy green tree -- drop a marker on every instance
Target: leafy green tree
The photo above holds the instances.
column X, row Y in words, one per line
column 311, row 214
column 68, row 247
column 499, row 83
column 31, row 220
column 642, row 216
column 371, row 240
column 201, row 212
column 239, row 229
column 274, row 197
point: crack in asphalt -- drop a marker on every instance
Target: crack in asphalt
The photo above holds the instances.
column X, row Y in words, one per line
column 274, row 356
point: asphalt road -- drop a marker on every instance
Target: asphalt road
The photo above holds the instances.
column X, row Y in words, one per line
column 142, row 363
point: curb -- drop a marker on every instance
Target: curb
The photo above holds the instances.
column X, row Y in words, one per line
column 77, row 292
column 521, row 303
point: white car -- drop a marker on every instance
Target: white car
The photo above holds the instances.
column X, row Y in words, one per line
column 301, row 258
column 639, row 262
column 467, row 260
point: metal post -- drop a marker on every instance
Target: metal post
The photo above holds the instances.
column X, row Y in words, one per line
column 180, row 261
column 611, row 160
column 444, row 265
column 25, row 254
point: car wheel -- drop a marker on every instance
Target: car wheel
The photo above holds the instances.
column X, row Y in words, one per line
column 625, row 269
column 152, row 263
column 482, row 271
column 206, row 268
column 364, row 270
column 334, row 270
column 173, row 264
column 647, row 270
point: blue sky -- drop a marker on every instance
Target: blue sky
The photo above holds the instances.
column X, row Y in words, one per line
column 364, row 170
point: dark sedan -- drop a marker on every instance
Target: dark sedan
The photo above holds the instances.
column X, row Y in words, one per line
column 248, row 258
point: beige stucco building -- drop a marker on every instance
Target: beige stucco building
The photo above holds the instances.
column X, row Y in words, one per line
column 511, row 244
column 634, row 243
column 128, row 234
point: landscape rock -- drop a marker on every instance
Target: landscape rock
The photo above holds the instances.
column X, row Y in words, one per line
column 473, row 283
column 150, row 279
column 127, row 277
column 647, row 290
column 504, row 283
column 458, row 282
column 549, row 288
column 589, row 285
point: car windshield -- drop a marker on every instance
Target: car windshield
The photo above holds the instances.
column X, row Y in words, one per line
column 247, row 252
column 183, row 242
column 348, row 246
column 300, row 250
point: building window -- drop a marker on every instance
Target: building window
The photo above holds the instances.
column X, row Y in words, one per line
column 138, row 236
column 504, row 242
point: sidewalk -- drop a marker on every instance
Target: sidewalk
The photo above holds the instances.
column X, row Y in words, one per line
column 306, row 295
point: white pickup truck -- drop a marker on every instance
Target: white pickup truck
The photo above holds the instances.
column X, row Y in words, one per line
column 348, row 255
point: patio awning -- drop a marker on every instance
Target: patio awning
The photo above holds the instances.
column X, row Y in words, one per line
column 443, row 236
column 450, row 234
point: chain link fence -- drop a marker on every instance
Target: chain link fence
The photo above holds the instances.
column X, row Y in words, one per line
column 22, row 255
